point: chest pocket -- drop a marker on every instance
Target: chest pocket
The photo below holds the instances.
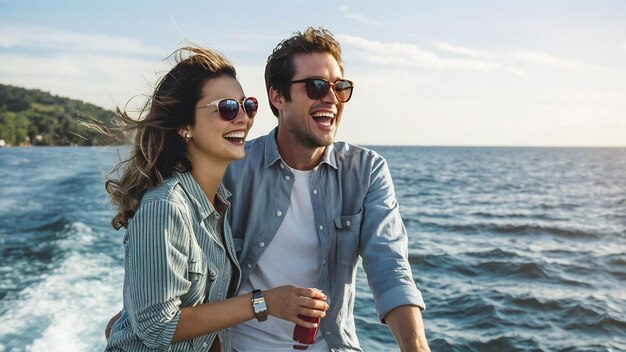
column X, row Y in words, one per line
column 197, row 276
column 348, row 229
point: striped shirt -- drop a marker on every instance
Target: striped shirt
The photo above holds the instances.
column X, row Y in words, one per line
column 178, row 253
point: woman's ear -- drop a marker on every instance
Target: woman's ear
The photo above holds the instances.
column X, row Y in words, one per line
column 184, row 133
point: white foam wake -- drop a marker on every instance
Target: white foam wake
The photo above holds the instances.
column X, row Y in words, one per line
column 68, row 309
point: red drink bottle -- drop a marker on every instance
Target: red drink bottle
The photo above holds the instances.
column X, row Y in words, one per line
column 305, row 336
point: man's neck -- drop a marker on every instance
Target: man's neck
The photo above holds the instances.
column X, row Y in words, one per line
column 300, row 157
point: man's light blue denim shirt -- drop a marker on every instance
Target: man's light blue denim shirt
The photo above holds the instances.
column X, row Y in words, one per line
column 356, row 214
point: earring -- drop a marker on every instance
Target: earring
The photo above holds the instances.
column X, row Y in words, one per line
column 187, row 137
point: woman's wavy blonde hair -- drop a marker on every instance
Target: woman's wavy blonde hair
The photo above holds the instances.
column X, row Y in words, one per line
column 158, row 149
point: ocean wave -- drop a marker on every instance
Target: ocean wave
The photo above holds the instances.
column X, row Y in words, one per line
column 76, row 183
column 440, row 263
column 441, row 343
column 472, row 310
column 27, row 255
column 535, row 303
column 605, row 324
column 448, row 225
column 512, row 215
column 84, row 288
column 586, row 318
column 57, row 224
column 496, row 253
column 505, row 342
column 584, row 346
column 540, row 229
column 615, row 264
column 560, row 206
column 526, row 270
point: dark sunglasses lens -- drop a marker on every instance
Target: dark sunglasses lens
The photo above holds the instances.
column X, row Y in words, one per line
column 251, row 105
column 317, row 88
column 343, row 89
column 228, row 108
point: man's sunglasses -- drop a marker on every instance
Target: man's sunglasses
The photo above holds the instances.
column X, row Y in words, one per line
column 229, row 108
column 317, row 88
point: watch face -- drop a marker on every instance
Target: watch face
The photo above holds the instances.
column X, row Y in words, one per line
column 260, row 307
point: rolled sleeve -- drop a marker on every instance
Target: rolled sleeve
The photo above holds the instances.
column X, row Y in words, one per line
column 397, row 297
column 157, row 245
column 384, row 246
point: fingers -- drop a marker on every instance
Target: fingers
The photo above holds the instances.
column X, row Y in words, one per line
column 309, row 304
column 313, row 313
column 107, row 330
column 311, row 293
column 296, row 304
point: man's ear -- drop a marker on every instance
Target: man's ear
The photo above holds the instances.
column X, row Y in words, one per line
column 276, row 98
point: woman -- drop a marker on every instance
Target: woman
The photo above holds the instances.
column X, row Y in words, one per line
column 180, row 263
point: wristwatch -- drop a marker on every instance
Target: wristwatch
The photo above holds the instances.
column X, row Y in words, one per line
column 258, row 305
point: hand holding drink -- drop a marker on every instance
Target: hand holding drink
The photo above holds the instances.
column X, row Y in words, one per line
column 305, row 336
column 298, row 305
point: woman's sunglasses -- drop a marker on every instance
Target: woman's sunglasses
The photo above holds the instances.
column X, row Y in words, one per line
column 317, row 88
column 229, row 108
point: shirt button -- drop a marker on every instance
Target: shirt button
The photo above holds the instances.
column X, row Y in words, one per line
column 262, row 244
column 287, row 177
column 321, row 227
column 314, row 191
column 249, row 266
column 348, row 223
column 282, row 166
column 205, row 345
column 279, row 213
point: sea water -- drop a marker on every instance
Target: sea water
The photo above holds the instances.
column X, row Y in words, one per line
column 514, row 249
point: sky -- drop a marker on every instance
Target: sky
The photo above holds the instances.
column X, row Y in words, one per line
column 430, row 73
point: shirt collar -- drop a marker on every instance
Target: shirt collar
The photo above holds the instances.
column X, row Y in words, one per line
column 272, row 155
column 203, row 207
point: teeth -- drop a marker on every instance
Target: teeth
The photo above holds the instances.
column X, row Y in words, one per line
column 235, row 135
column 323, row 114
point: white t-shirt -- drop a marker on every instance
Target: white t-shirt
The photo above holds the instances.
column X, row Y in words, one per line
column 293, row 257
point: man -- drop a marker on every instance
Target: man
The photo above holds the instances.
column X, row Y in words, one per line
column 304, row 208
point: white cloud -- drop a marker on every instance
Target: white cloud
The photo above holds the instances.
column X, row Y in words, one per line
column 363, row 19
column 100, row 69
column 455, row 49
column 106, row 81
column 359, row 17
column 550, row 60
column 46, row 38
column 527, row 57
column 411, row 56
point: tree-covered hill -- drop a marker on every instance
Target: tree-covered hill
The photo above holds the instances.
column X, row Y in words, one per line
column 31, row 116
